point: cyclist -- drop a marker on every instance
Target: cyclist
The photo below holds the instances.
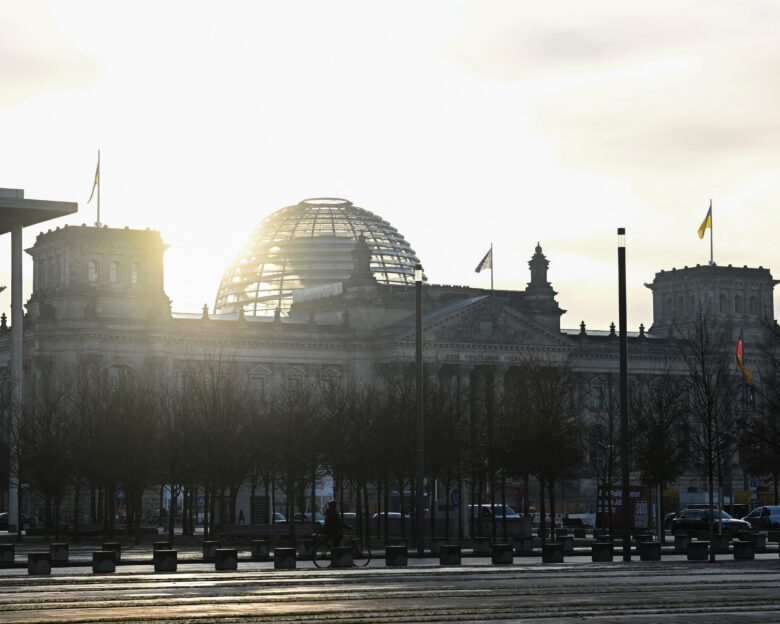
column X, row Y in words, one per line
column 334, row 525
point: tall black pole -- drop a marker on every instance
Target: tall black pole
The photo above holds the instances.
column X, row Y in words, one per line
column 626, row 520
column 419, row 463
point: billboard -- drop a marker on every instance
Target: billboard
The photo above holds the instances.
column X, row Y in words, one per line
column 610, row 509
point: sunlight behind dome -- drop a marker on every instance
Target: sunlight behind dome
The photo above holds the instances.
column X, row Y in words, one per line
column 305, row 245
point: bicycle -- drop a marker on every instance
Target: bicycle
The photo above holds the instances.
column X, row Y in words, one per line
column 361, row 552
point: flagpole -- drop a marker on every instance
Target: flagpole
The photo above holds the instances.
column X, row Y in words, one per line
column 98, row 190
column 491, row 269
column 711, row 228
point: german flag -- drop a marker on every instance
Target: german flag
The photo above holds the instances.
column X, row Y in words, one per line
column 738, row 362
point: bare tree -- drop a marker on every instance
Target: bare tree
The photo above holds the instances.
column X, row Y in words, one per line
column 214, row 397
column 657, row 419
column 294, row 415
column 47, row 434
column 551, row 422
column 712, row 387
column 760, row 417
column 603, row 441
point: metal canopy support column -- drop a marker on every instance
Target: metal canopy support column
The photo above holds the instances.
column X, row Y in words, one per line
column 17, row 213
column 16, row 374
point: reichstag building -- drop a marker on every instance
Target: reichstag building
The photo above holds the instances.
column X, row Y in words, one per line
column 324, row 290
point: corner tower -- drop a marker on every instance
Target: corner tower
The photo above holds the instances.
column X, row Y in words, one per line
column 93, row 274
column 740, row 296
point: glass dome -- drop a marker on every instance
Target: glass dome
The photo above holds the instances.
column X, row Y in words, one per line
column 309, row 244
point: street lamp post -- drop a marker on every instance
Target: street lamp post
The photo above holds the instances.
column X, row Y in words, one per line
column 626, row 520
column 419, row 456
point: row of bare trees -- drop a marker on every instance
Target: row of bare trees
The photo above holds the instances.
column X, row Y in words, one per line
column 203, row 430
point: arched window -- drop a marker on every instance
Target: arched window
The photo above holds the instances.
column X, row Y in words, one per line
column 113, row 272
column 92, row 271
column 722, row 304
column 753, row 307
column 738, row 304
column 134, row 273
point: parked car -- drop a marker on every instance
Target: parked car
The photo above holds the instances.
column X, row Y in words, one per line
column 28, row 522
column 488, row 511
column 306, row 517
column 671, row 516
column 766, row 517
column 693, row 520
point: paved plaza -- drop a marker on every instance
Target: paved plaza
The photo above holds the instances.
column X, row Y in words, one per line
column 673, row 590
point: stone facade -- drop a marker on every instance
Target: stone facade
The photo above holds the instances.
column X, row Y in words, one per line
column 98, row 294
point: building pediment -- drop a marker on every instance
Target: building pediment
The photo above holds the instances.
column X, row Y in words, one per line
column 487, row 321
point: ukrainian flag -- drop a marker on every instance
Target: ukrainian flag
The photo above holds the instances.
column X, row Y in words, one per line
column 707, row 223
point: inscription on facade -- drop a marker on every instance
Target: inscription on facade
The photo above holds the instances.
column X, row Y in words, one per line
column 481, row 357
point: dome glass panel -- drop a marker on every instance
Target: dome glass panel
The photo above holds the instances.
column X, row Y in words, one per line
column 309, row 244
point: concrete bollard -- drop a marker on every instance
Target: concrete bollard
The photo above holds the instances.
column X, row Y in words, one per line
column 681, row 543
column 650, row 551
column 568, row 543
column 284, row 558
column 579, row 533
column 721, row 543
column 601, row 551
column 449, row 555
column 306, row 547
column 341, row 557
column 524, row 545
column 209, row 548
column 396, row 556
column 225, row 559
column 501, row 553
column 39, row 563
column 103, row 562
column 698, row 550
column 436, row 543
column 759, row 542
column 165, row 560
column 116, row 547
column 7, row 552
column 58, row 552
column 552, row 552
column 743, row 549
column 261, row 549
column 481, row 545
column 166, row 545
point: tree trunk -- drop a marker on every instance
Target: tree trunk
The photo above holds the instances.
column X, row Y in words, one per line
column 137, row 514
column 503, row 505
column 542, row 512
column 526, row 489
column 172, row 512
column 552, row 509
column 76, row 509
column 387, row 510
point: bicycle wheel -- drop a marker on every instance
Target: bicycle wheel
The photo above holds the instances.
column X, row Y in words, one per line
column 361, row 554
column 321, row 554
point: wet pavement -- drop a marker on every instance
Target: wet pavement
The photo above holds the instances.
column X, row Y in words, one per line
column 673, row 590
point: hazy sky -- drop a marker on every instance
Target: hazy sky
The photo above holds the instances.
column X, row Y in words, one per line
column 460, row 123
